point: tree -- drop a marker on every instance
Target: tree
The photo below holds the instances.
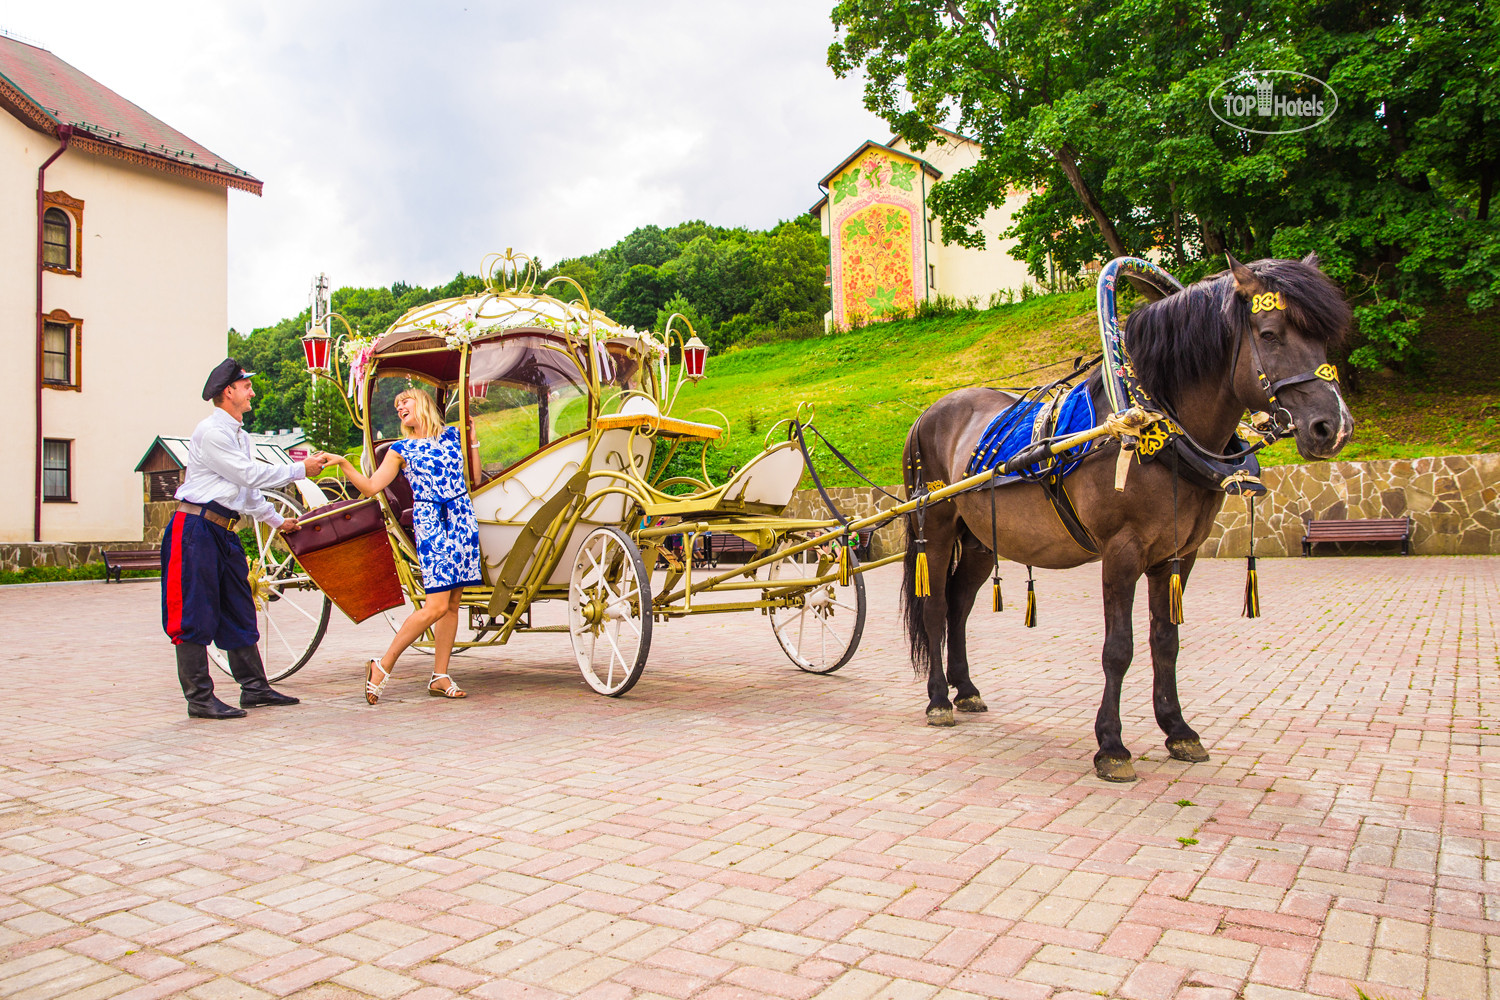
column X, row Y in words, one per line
column 1104, row 107
column 324, row 418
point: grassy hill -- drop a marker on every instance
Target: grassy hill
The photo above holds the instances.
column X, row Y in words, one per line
column 868, row 385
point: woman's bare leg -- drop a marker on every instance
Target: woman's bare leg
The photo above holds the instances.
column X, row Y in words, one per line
column 445, row 630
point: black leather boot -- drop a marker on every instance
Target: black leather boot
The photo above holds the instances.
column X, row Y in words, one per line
column 198, row 685
column 255, row 690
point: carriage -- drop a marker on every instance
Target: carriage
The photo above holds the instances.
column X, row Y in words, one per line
column 583, row 478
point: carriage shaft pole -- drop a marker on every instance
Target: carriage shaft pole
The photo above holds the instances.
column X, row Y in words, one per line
column 935, row 496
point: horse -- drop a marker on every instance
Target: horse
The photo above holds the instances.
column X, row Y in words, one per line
column 1186, row 351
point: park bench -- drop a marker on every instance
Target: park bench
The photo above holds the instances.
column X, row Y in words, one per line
column 1374, row 529
column 118, row 561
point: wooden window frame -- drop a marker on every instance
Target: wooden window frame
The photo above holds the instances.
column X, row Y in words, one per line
column 73, row 209
column 75, row 348
column 67, row 470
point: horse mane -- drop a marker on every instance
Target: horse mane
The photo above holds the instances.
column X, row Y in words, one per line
column 1187, row 337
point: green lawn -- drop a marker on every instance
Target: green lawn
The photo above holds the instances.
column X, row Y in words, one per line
column 868, row 385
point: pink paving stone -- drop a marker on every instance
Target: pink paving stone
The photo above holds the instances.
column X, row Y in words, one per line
column 171, row 986
column 1281, row 967
column 661, row 981
column 307, row 975
column 773, row 983
column 724, row 746
column 449, row 976
column 1152, row 981
column 898, row 967
column 1131, row 940
column 690, row 963
column 507, row 989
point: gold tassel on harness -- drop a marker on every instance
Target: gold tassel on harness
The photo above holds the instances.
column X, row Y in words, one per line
column 999, row 605
column 1030, row 600
column 1252, row 584
column 843, row 563
column 1174, row 594
column 922, row 587
column 1252, row 591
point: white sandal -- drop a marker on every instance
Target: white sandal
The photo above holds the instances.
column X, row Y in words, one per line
column 451, row 691
column 372, row 690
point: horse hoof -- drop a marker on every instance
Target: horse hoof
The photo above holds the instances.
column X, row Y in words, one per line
column 1189, row 750
column 974, row 704
column 1114, row 770
column 940, row 717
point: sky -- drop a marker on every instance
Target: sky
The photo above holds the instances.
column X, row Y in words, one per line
column 403, row 142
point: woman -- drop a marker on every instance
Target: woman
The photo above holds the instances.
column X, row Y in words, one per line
column 431, row 455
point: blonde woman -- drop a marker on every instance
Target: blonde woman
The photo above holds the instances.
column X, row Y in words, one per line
column 431, row 455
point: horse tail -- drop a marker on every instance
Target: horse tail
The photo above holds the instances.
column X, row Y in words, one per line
column 913, row 608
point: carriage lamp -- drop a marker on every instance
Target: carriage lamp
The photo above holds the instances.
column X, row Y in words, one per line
column 694, row 354
column 315, row 347
column 478, row 390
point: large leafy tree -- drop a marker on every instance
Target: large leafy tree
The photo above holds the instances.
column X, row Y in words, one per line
column 1103, row 107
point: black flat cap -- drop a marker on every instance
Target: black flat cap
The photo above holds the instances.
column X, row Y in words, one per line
column 228, row 372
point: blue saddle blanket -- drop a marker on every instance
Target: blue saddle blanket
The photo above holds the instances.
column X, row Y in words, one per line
column 1011, row 431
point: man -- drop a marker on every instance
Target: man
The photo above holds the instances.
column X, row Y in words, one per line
column 205, row 585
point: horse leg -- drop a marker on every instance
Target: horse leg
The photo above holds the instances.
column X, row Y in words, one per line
column 1182, row 741
column 942, row 530
column 1112, row 761
column 968, row 576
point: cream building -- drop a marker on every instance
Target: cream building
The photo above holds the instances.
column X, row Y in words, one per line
column 886, row 248
column 113, row 295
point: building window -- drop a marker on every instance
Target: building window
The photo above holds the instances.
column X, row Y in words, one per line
column 57, row 239
column 931, row 275
column 62, row 223
column 62, row 340
column 57, row 470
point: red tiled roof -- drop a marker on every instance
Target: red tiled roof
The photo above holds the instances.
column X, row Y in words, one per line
column 45, row 92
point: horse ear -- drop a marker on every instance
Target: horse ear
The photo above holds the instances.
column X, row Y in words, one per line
column 1245, row 281
column 1311, row 260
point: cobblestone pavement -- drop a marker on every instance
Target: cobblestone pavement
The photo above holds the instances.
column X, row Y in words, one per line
column 737, row 829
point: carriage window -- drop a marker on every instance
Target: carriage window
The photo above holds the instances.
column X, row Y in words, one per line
column 622, row 374
column 525, row 391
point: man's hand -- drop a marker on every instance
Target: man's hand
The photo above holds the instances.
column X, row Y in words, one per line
column 315, row 462
column 290, row 525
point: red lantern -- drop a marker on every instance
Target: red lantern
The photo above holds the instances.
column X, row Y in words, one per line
column 694, row 355
column 315, row 347
column 478, row 390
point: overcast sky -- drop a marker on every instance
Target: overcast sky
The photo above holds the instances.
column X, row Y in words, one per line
column 400, row 141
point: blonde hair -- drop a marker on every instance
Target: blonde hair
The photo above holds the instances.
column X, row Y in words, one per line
column 429, row 420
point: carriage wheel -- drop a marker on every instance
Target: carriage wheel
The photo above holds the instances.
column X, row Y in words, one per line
column 609, row 611
column 291, row 612
column 821, row 634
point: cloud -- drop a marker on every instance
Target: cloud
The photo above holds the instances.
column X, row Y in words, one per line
column 403, row 142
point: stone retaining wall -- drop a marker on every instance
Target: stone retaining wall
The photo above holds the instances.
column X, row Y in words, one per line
column 1453, row 501
column 16, row 556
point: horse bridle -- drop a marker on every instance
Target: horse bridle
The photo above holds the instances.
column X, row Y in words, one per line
column 1281, row 424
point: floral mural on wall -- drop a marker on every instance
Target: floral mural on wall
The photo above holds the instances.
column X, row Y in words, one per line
column 875, row 225
column 877, row 272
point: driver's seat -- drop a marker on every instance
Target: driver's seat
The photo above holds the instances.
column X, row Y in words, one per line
column 398, row 494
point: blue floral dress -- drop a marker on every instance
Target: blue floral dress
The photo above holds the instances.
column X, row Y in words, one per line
column 447, row 530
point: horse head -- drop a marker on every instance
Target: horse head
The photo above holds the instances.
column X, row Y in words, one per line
column 1289, row 314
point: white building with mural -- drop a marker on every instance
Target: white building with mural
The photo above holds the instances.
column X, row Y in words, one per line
column 886, row 249
column 114, row 278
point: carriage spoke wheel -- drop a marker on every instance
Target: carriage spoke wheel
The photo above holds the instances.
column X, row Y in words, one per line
column 290, row 611
column 609, row 611
column 822, row 632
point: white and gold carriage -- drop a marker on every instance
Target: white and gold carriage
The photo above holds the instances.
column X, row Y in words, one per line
column 568, row 426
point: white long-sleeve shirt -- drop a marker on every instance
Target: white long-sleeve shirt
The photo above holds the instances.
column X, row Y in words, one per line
column 222, row 469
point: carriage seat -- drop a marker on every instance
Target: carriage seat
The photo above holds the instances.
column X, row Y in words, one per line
column 398, row 494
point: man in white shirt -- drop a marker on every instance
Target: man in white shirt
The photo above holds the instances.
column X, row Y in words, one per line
column 205, row 586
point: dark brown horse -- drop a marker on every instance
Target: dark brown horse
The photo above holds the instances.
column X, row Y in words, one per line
column 1201, row 352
